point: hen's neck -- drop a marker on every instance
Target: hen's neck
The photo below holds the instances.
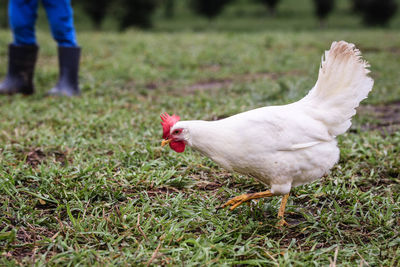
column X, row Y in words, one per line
column 207, row 136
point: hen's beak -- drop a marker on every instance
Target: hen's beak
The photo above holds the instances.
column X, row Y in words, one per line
column 165, row 142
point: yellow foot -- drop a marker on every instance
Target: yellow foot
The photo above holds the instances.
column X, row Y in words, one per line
column 236, row 201
column 281, row 212
column 282, row 223
column 239, row 200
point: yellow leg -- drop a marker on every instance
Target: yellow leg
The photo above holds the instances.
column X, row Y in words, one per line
column 237, row 201
column 281, row 212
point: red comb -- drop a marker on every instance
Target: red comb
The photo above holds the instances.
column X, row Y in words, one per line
column 167, row 122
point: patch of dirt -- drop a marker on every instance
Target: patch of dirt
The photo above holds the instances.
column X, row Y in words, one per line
column 370, row 49
column 386, row 115
column 36, row 156
column 367, row 185
column 151, row 86
column 162, row 191
column 208, row 186
column 248, row 77
column 394, row 50
column 212, row 67
column 208, row 85
column 27, row 239
column 109, row 153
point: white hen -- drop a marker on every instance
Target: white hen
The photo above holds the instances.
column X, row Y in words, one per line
column 283, row 146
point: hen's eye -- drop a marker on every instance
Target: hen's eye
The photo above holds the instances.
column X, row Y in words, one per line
column 176, row 132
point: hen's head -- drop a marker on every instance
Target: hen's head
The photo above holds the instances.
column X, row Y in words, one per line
column 172, row 133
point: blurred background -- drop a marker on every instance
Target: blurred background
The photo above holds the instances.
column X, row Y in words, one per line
column 227, row 15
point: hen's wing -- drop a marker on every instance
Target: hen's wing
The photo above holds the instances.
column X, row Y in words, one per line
column 283, row 128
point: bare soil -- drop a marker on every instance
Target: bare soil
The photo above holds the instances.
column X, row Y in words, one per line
column 387, row 117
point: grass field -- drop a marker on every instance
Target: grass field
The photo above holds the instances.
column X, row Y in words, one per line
column 238, row 16
column 85, row 181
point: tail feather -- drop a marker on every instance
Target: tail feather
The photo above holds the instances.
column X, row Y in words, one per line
column 343, row 82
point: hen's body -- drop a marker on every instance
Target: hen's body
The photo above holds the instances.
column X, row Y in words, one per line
column 281, row 146
column 290, row 145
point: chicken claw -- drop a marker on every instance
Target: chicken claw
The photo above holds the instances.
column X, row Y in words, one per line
column 237, row 201
column 282, row 223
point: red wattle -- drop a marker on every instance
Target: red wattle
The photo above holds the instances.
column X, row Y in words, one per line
column 178, row 146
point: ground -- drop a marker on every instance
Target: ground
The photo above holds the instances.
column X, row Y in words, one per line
column 85, row 181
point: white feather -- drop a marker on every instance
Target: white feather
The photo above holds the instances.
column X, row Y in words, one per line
column 342, row 84
column 290, row 145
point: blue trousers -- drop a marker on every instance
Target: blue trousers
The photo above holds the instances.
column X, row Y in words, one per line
column 22, row 17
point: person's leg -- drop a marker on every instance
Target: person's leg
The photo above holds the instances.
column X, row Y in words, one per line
column 60, row 16
column 61, row 20
column 22, row 16
column 22, row 53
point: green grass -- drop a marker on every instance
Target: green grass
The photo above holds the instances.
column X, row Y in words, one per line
column 238, row 16
column 85, row 181
column 250, row 15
